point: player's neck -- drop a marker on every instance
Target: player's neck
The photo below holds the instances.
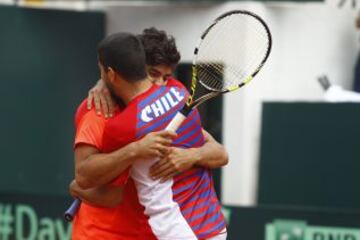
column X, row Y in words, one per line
column 131, row 90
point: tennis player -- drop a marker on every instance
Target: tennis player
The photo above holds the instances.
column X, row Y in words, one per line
column 145, row 103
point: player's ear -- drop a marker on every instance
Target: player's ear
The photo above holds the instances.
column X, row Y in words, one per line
column 111, row 74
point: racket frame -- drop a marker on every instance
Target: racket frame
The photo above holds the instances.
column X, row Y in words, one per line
column 191, row 102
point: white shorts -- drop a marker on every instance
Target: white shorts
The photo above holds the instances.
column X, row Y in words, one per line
column 221, row 236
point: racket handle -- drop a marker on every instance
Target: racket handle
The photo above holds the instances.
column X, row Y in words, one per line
column 176, row 122
column 72, row 210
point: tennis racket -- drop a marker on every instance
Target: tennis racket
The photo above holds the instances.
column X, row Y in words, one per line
column 231, row 52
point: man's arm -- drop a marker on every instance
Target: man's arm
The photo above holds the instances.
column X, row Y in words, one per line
column 93, row 168
column 104, row 196
column 211, row 155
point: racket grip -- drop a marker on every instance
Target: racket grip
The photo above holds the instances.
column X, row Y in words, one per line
column 72, row 210
column 176, row 122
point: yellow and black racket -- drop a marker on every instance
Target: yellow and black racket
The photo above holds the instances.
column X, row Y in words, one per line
column 231, row 51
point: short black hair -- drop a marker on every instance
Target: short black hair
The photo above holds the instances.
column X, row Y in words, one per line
column 160, row 48
column 125, row 54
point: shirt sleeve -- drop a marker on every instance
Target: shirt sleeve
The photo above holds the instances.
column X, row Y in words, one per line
column 90, row 130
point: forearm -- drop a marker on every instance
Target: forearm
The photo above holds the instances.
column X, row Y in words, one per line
column 211, row 155
column 101, row 168
column 96, row 169
column 104, row 196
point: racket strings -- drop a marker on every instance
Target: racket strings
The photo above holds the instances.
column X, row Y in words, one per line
column 231, row 51
column 212, row 74
column 255, row 50
column 253, row 64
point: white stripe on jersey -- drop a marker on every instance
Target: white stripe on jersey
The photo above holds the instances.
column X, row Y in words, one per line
column 165, row 217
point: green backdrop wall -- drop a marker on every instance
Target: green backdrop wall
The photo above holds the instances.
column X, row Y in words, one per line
column 310, row 155
column 47, row 64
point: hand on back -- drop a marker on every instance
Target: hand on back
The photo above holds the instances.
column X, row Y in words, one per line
column 176, row 161
column 100, row 97
column 155, row 144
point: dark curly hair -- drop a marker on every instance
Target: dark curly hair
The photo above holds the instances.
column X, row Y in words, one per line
column 160, row 48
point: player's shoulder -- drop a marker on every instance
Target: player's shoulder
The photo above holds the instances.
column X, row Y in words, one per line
column 80, row 112
column 173, row 82
column 83, row 114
